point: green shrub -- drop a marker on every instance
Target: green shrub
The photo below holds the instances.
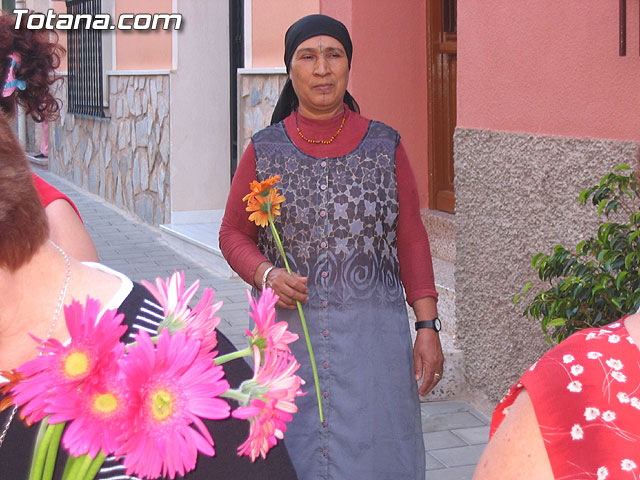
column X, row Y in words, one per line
column 597, row 283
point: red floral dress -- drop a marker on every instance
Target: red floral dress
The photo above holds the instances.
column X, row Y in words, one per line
column 586, row 396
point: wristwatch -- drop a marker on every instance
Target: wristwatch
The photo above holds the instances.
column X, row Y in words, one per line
column 434, row 324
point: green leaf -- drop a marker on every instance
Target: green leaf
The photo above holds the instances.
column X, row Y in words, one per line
column 557, row 322
column 620, row 279
column 534, row 260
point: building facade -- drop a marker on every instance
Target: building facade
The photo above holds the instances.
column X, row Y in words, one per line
column 541, row 106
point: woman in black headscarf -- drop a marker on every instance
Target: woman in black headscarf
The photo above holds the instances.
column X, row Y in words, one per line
column 353, row 236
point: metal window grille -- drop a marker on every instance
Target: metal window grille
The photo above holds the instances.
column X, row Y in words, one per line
column 8, row 5
column 84, row 50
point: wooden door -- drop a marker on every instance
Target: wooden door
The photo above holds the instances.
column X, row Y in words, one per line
column 442, row 49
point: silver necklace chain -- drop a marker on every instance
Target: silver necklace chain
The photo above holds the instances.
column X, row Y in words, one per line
column 52, row 325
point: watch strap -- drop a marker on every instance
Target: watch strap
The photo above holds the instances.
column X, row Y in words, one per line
column 428, row 324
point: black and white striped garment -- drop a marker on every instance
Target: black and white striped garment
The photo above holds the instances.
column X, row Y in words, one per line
column 143, row 313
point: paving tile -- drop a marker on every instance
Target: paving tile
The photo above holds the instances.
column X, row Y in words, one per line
column 459, row 456
column 435, row 408
column 450, row 421
column 444, row 439
column 433, row 463
column 456, row 473
column 473, row 436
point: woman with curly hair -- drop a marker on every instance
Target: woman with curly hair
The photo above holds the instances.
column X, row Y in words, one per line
column 27, row 70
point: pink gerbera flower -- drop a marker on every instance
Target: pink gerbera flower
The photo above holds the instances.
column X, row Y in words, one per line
column 272, row 392
column 98, row 416
column 267, row 332
column 200, row 322
column 94, row 347
column 171, row 387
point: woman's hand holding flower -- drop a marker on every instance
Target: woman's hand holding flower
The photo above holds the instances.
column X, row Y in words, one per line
column 290, row 287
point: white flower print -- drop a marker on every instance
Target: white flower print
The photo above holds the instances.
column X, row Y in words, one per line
column 627, row 465
column 568, row 358
column 623, row 397
column 591, row 413
column 614, row 325
column 592, row 335
column 532, row 367
column 630, row 340
column 577, row 369
column 594, row 355
column 608, row 416
column 635, row 403
column 614, row 338
column 575, row 386
column 619, row 376
column 615, row 364
column 603, row 473
column 576, row 432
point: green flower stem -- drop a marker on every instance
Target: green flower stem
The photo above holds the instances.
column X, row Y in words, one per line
column 68, row 466
column 45, row 433
column 95, row 465
column 80, row 464
column 52, row 451
column 302, row 319
column 241, row 398
column 85, row 464
column 246, row 352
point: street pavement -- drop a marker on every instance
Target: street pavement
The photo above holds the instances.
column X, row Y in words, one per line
column 455, row 432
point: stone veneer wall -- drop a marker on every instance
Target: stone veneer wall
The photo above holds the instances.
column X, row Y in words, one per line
column 516, row 195
column 123, row 158
column 257, row 96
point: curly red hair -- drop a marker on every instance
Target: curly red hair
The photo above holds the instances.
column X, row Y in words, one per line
column 40, row 54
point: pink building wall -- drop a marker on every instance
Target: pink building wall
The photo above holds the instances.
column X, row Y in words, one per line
column 60, row 7
column 389, row 72
column 268, row 28
column 548, row 67
column 148, row 49
column 135, row 50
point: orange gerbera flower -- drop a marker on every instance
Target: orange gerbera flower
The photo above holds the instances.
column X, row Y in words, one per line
column 262, row 204
column 13, row 377
column 260, row 188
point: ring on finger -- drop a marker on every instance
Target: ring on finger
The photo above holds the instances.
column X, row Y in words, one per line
column 437, row 375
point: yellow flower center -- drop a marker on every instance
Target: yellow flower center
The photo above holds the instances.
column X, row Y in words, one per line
column 76, row 364
column 161, row 404
column 105, row 402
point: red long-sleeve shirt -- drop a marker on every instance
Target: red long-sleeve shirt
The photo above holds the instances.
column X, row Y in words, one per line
column 239, row 236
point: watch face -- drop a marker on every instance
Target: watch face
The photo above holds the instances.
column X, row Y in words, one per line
column 437, row 326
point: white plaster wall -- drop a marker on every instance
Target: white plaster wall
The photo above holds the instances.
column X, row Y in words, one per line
column 200, row 130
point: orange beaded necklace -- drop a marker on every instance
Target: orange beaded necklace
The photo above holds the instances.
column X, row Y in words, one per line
column 326, row 142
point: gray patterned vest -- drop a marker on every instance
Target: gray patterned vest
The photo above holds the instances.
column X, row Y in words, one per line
column 338, row 224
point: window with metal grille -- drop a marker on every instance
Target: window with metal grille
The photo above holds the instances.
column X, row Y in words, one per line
column 8, row 5
column 84, row 51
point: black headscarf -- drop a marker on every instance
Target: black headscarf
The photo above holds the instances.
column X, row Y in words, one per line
column 303, row 29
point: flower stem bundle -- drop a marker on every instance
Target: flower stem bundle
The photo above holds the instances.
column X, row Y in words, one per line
column 264, row 202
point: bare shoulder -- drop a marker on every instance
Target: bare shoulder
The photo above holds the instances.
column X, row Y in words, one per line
column 632, row 323
column 517, row 449
column 98, row 284
column 67, row 230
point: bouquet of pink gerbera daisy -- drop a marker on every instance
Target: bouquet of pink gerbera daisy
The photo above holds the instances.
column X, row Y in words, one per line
column 144, row 402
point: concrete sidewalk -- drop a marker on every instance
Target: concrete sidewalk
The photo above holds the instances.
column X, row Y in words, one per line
column 455, row 433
